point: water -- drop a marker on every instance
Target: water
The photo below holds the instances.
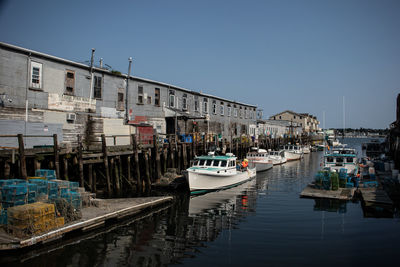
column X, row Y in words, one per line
column 260, row 223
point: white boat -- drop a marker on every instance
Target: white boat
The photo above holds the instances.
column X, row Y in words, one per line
column 260, row 159
column 306, row 149
column 277, row 157
column 211, row 173
column 341, row 158
column 292, row 152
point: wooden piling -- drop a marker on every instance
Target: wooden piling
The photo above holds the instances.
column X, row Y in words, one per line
column 105, row 161
column 147, row 169
column 94, row 184
column 184, row 156
column 117, row 176
column 65, row 161
column 56, row 156
column 157, row 158
column 90, row 174
column 22, row 159
column 80, row 161
column 136, row 161
column 165, row 157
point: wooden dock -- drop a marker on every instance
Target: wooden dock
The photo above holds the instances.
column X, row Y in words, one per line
column 105, row 210
column 341, row 193
column 375, row 196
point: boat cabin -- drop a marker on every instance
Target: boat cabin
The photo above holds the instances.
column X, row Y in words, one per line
column 214, row 162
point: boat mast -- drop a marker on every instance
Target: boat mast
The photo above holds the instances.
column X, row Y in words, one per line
column 344, row 118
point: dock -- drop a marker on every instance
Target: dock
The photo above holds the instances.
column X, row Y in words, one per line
column 101, row 213
column 341, row 193
column 375, row 196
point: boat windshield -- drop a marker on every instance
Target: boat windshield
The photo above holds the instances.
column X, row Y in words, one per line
column 223, row 163
column 329, row 159
column 195, row 162
column 339, row 159
column 349, row 159
column 202, row 162
column 216, row 163
column 208, row 162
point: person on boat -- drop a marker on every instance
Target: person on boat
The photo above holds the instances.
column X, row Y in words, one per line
column 245, row 164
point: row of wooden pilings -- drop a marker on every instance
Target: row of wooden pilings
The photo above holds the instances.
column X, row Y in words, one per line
column 116, row 170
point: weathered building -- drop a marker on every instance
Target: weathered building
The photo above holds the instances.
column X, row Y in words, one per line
column 309, row 123
column 41, row 94
column 278, row 128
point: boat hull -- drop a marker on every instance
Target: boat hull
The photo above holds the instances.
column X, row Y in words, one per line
column 292, row 155
column 200, row 182
column 263, row 166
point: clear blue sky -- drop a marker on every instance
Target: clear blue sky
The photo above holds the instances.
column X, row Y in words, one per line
column 302, row 55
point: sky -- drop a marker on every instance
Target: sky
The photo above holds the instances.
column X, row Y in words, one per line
column 300, row 55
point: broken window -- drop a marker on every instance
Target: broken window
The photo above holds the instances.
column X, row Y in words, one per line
column 157, row 97
column 97, row 87
column 69, row 82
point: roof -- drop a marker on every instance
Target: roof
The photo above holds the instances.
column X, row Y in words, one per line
column 172, row 112
column 81, row 65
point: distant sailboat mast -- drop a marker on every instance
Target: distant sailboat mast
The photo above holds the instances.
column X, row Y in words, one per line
column 344, row 118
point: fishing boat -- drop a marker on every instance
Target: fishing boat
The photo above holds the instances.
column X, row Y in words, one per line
column 306, row 149
column 341, row 157
column 211, row 173
column 277, row 157
column 260, row 159
column 292, row 152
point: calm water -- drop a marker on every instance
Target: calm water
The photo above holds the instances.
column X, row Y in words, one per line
column 260, row 223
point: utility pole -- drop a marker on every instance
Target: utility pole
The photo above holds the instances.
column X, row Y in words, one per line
column 126, row 90
column 91, row 76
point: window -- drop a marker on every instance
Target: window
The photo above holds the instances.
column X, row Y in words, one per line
column 205, row 103
column 280, row 117
column 229, row 111
column 140, row 94
column 214, row 107
column 223, row 163
column 208, row 162
column 149, row 100
column 97, row 86
column 241, row 113
column 247, row 113
column 157, row 97
column 235, row 112
column 69, row 82
column 36, row 75
column 294, row 117
column 196, row 103
column 222, row 109
column 172, row 98
column 216, row 163
column 120, row 99
column 184, row 102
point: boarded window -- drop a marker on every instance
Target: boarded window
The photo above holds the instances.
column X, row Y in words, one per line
column 172, row 98
column 140, row 95
column 157, row 97
column 121, row 99
column 184, row 102
column 69, row 82
column 196, row 103
column 97, row 87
